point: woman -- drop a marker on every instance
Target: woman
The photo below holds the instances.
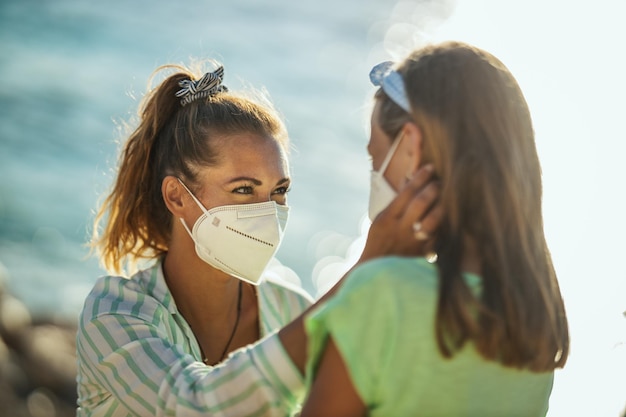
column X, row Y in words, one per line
column 201, row 191
column 480, row 331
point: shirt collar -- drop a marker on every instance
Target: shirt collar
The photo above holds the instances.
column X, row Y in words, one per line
column 154, row 281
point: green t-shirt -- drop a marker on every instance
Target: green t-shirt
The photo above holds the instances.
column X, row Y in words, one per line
column 383, row 323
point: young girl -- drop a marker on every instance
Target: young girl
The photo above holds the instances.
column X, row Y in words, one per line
column 480, row 331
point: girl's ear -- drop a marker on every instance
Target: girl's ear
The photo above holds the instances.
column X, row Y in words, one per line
column 173, row 192
column 412, row 148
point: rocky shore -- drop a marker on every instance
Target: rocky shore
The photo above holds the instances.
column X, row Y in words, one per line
column 37, row 362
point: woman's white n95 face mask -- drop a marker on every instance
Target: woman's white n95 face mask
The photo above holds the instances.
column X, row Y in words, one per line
column 381, row 192
column 239, row 239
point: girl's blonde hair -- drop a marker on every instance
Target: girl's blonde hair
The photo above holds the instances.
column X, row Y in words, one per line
column 477, row 131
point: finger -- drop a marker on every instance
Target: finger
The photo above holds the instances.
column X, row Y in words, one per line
column 426, row 232
column 409, row 191
column 431, row 220
column 421, row 177
column 417, row 208
column 418, row 231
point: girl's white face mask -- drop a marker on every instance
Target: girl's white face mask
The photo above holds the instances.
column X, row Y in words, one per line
column 239, row 239
column 381, row 192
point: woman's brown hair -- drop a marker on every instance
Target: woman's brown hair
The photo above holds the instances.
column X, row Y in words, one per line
column 170, row 139
column 478, row 133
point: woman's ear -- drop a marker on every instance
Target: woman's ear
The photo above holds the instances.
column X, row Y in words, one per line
column 173, row 192
column 412, row 147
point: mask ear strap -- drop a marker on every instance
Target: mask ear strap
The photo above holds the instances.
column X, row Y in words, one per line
column 185, row 226
column 197, row 202
column 389, row 155
column 192, row 196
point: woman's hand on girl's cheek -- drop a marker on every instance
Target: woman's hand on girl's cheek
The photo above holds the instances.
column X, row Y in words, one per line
column 406, row 226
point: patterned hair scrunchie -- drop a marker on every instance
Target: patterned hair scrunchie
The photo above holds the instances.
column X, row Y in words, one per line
column 210, row 84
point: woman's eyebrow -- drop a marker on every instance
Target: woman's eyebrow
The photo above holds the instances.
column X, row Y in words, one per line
column 256, row 181
column 249, row 179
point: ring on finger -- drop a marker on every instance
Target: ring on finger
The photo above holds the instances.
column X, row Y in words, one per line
column 418, row 231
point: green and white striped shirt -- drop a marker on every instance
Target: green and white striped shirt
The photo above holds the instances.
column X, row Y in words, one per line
column 137, row 356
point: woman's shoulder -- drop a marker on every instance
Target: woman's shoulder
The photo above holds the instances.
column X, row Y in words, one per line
column 285, row 288
column 280, row 301
column 115, row 294
column 395, row 272
column 112, row 287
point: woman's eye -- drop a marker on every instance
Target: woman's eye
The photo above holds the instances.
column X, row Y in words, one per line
column 282, row 190
column 246, row 189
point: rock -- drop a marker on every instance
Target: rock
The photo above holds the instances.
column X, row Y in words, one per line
column 37, row 362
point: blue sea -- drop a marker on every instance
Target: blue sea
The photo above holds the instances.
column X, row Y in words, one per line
column 72, row 71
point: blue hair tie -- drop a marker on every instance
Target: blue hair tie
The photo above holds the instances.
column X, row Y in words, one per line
column 383, row 75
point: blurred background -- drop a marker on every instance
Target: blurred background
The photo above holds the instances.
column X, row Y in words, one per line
column 71, row 71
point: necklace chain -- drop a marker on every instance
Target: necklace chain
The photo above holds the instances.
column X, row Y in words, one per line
column 232, row 335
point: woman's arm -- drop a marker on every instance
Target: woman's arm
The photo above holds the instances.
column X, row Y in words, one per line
column 332, row 392
column 130, row 362
column 391, row 233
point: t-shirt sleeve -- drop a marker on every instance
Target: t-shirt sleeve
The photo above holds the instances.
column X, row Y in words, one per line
column 361, row 320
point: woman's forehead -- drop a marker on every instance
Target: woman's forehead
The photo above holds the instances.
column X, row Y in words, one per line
column 249, row 154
